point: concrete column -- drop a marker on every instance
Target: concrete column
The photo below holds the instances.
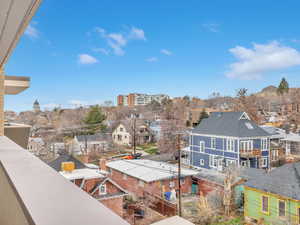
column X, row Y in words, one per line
column 2, row 102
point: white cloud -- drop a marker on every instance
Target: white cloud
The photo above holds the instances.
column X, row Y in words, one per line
column 152, row 59
column 101, row 50
column 295, row 40
column 212, row 27
column 118, row 41
column 137, row 34
column 50, row 106
column 166, row 52
column 32, row 31
column 86, row 59
column 77, row 103
column 253, row 63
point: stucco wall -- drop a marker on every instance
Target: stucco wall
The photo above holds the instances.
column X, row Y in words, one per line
column 11, row 212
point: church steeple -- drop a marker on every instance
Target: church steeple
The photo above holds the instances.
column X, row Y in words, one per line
column 36, row 106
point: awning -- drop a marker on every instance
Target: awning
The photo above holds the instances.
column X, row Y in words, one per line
column 14, row 85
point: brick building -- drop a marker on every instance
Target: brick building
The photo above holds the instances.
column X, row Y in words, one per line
column 135, row 99
column 93, row 182
column 140, row 176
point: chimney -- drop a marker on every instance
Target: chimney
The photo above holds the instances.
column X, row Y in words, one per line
column 85, row 159
column 102, row 164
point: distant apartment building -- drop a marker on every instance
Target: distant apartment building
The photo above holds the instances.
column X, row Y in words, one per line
column 136, row 99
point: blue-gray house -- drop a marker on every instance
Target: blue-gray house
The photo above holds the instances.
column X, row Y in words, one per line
column 228, row 138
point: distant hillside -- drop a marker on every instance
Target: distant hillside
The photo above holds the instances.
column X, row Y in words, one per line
column 270, row 91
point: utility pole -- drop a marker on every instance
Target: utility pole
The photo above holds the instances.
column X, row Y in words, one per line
column 134, row 134
column 179, row 175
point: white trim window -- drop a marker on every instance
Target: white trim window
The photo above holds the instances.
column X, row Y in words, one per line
column 264, row 144
column 213, row 161
column 213, row 143
column 201, row 162
column 141, row 183
column 264, row 162
column 244, row 163
column 202, row 146
column 230, row 162
column 246, row 145
column 281, row 208
column 102, row 189
column 230, row 145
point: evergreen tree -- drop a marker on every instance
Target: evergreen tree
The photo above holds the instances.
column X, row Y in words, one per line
column 94, row 120
column 283, row 87
column 202, row 116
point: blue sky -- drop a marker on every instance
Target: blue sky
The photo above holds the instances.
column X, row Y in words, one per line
column 91, row 51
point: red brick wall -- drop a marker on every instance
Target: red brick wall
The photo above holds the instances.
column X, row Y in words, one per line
column 131, row 99
column 132, row 185
column 206, row 187
column 115, row 204
column 120, row 100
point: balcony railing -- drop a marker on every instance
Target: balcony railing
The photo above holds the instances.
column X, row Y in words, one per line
column 250, row 153
column 32, row 193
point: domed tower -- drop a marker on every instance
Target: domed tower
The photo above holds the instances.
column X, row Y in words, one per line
column 36, row 106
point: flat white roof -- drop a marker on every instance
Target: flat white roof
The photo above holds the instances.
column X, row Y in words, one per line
column 148, row 170
column 85, row 173
column 174, row 220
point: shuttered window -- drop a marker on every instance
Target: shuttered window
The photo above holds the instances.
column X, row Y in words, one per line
column 265, row 204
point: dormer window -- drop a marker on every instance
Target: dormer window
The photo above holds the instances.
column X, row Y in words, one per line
column 102, row 189
column 244, row 116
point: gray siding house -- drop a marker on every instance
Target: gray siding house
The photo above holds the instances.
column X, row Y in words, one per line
column 228, row 138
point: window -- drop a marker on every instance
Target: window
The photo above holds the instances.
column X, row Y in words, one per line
column 264, row 162
column 102, row 189
column 274, row 155
column 141, row 183
column 281, row 208
column 246, row 145
column 230, row 162
column 265, row 204
column 213, row 143
column 124, row 176
column 213, row 161
column 121, row 129
column 202, row 146
column 249, row 126
column 244, row 163
column 182, row 181
column 172, row 184
column 201, row 162
column 230, row 145
column 264, row 144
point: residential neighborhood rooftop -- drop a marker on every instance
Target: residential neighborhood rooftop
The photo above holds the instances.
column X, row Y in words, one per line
column 148, row 170
column 56, row 164
column 92, row 138
column 284, row 180
column 234, row 124
column 84, row 173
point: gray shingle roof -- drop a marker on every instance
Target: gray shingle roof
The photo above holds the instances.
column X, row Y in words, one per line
column 284, row 181
column 95, row 137
column 56, row 164
column 229, row 124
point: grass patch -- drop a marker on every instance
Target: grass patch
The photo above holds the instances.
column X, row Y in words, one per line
column 234, row 221
column 151, row 151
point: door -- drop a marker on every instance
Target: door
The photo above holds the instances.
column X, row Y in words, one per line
column 194, row 189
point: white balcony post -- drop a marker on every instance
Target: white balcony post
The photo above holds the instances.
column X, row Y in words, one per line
column 2, row 102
